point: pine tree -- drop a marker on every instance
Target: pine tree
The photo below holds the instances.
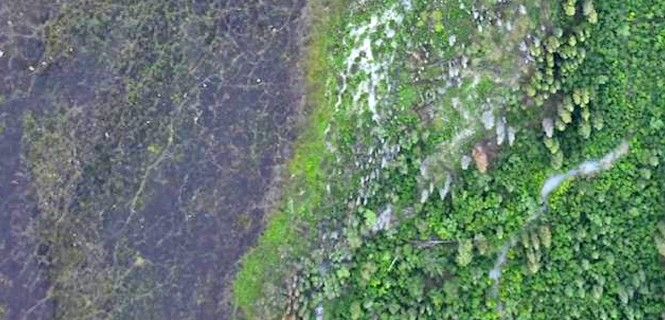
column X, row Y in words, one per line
column 660, row 244
column 545, row 236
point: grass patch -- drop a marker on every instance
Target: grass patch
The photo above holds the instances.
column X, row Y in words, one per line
column 283, row 234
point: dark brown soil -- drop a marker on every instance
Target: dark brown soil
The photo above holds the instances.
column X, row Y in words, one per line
column 140, row 141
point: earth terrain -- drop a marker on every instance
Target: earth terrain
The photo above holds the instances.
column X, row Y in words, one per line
column 141, row 142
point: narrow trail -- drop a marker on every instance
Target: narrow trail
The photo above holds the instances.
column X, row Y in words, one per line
column 552, row 184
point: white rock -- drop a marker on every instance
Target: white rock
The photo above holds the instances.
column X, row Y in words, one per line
column 522, row 9
column 488, row 119
column 548, row 127
column 511, row 135
column 320, row 314
column 446, row 187
column 523, row 46
column 424, row 195
column 456, row 103
column 384, row 220
column 466, row 162
column 501, row 131
column 451, row 40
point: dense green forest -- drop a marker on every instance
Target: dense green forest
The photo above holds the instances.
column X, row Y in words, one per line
column 473, row 160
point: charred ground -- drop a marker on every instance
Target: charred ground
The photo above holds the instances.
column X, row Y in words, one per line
column 140, row 140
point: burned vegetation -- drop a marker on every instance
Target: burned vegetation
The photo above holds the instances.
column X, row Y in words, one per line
column 142, row 140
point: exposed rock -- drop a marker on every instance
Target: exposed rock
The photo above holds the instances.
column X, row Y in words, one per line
column 488, row 119
column 466, row 161
column 511, row 136
column 483, row 153
column 501, row 131
column 452, row 40
column 384, row 220
column 548, row 127
column 480, row 158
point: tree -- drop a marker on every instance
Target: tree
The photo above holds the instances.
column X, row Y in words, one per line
column 569, row 8
column 660, row 244
column 464, row 252
column 545, row 236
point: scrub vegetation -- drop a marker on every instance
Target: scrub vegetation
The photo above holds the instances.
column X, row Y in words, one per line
column 474, row 160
